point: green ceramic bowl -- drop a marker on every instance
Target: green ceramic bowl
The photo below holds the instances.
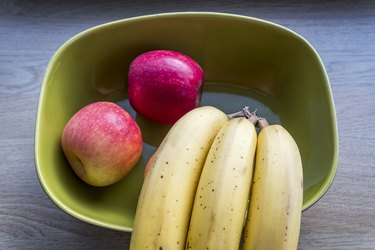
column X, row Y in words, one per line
column 246, row 61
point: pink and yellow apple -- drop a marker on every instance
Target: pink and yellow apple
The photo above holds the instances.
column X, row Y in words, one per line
column 164, row 85
column 150, row 162
column 102, row 143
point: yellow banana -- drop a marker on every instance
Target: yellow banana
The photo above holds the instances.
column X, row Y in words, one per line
column 167, row 195
column 221, row 199
column 274, row 213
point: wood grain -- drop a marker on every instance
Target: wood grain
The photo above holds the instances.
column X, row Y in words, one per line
column 343, row 32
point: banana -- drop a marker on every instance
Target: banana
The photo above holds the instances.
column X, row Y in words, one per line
column 221, row 199
column 167, row 194
column 274, row 214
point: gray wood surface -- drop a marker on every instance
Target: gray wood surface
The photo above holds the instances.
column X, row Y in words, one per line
column 343, row 32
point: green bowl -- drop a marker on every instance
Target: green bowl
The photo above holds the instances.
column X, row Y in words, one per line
column 246, row 61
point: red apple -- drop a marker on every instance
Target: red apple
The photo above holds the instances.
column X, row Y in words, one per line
column 102, row 143
column 150, row 162
column 164, row 85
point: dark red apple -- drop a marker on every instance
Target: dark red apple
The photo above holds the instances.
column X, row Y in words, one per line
column 102, row 143
column 164, row 85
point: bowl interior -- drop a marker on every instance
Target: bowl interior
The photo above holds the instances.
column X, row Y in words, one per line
column 246, row 62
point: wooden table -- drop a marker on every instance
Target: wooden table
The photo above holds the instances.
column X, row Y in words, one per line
column 343, row 32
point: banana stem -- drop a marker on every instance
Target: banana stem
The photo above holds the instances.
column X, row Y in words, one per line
column 236, row 115
column 262, row 123
column 245, row 113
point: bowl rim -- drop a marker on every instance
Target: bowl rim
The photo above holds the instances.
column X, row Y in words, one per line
column 193, row 14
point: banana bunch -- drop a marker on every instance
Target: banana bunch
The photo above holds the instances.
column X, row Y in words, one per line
column 198, row 183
